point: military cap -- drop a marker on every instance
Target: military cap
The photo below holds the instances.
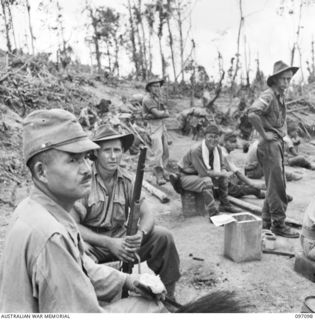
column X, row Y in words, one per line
column 54, row 129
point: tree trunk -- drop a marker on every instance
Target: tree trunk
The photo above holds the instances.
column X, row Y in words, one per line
column 171, row 44
column 108, row 58
column 141, row 53
column 163, row 63
column 181, row 39
column 296, row 43
column 144, row 41
column 6, row 23
column 96, row 42
column 30, row 25
column 133, row 41
column 12, row 25
column 237, row 62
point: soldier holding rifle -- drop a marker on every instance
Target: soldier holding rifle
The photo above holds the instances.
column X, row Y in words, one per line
column 43, row 266
column 103, row 213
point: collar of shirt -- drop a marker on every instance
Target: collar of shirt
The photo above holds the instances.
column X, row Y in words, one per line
column 97, row 182
column 59, row 213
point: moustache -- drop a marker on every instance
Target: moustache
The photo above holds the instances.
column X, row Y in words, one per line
column 86, row 178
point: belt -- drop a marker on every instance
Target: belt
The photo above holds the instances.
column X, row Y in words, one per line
column 309, row 234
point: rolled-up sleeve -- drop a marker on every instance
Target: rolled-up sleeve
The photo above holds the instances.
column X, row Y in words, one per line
column 262, row 104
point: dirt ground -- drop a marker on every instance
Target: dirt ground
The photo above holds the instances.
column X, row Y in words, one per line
column 269, row 285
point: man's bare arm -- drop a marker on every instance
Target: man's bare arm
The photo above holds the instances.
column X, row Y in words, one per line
column 160, row 114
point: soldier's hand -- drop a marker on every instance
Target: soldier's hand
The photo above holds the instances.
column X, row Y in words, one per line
column 135, row 240
column 122, row 250
column 270, row 136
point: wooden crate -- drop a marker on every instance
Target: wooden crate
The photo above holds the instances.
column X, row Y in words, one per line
column 242, row 239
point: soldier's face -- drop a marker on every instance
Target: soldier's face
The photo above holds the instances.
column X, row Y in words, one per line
column 68, row 175
column 230, row 145
column 212, row 140
column 155, row 89
column 282, row 81
column 109, row 155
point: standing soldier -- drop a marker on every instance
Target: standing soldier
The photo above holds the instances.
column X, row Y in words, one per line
column 155, row 112
column 268, row 116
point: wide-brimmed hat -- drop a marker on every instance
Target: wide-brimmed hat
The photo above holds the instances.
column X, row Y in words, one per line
column 54, row 129
column 278, row 68
column 107, row 133
column 153, row 81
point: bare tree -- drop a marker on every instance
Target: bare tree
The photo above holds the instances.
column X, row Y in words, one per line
column 4, row 6
column 133, row 40
column 150, row 17
column 161, row 14
column 28, row 7
column 237, row 62
column 169, row 13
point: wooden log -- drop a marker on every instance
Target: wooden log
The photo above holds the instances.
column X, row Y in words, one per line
column 155, row 192
column 280, row 253
column 245, row 205
column 258, row 211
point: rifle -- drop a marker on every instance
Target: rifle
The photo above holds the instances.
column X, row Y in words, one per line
column 134, row 212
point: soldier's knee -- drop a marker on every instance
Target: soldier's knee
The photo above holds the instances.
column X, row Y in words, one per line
column 163, row 235
column 207, row 183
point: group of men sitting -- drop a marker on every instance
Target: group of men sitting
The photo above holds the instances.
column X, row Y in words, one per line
column 208, row 168
column 75, row 219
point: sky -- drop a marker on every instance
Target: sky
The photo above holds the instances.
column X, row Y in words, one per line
column 265, row 33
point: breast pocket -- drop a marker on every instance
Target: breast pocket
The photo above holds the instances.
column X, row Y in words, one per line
column 119, row 211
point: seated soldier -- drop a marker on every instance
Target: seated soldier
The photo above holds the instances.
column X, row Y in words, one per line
column 239, row 184
column 44, row 267
column 292, row 142
column 202, row 169
column 101, row 215
column 253, row 169
column 308, row 232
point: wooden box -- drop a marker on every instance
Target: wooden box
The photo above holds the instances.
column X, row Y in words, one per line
column 242, row 238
